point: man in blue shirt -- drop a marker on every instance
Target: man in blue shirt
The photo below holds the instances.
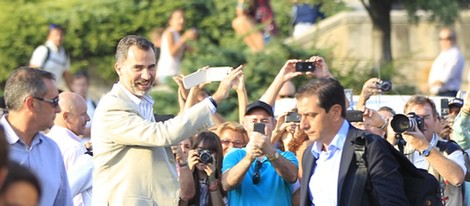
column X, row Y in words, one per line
column 329, row 166
column 32, row 101
column 259, row 174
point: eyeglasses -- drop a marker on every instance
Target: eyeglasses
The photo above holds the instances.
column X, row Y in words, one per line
column 256, row 174
column 444, row 38
column 235, row 144
column 54, row 102
column 286, row 96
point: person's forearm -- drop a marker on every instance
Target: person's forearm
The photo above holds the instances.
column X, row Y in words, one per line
column 68, row 79
column 361, row 102
column 234, row 176
column 446, row 168
column 461, row 129
column 242, row 102
column 215, row 194
column 188, row 189
column 273, row 90
column 286, row 169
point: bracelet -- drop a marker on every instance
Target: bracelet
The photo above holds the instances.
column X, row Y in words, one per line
column 183, row 164
column 213, row 102
column 214, row 187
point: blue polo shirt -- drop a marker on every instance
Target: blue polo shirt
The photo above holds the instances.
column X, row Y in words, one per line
column 272, row 189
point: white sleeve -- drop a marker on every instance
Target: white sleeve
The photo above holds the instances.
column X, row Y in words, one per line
column 39, row 56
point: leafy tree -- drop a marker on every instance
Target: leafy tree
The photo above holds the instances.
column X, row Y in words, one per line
column 93, row 29
column 445, row 12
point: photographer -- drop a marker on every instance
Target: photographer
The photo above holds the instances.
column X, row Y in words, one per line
column 426, row 150
column 259, row 174
column 373, row 86
column 205, row 163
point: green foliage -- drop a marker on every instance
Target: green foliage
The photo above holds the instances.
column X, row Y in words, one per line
column 445, row 13
column 93, row 29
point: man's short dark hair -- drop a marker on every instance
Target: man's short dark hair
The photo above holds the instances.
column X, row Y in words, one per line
column 329, row 92
column 131, row 40
column 24, row 82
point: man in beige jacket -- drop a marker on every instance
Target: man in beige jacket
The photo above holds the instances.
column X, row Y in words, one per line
column 132, row 157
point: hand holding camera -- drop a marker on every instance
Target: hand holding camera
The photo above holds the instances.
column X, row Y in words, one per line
column 410, row 126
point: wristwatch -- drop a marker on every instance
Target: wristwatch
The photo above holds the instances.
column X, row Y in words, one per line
column 274, row 157
column 427, row 151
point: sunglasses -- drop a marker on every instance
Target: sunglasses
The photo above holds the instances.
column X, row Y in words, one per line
column 257, row 175
column 54, row 102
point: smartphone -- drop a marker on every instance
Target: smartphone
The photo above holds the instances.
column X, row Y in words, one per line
column 212, row 74
column 444, row 107
column 305, row 66
column 259, row 127
column 217, row 74
column 293, row 117
column 354, row 116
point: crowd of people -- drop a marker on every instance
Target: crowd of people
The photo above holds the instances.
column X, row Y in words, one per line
column 290, row 147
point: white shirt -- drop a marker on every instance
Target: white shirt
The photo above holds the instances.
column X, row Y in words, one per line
column 447, row 68
column 323, row 185
column 169, row 65
column 420, row 160
column 72, row 150
column 57, row 63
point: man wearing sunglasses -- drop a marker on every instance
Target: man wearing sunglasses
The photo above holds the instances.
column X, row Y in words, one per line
column 259, row 174
column 32, row 101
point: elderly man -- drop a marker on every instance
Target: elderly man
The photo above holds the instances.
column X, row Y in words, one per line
column 68, row 125
column 250, row 172
column 426, row 150
column 133, row 161
column 32, row 101
column 447, row 69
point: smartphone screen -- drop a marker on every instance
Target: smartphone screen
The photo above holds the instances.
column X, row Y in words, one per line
column 259, row 127
column 305, row 66
column 444, row 107
column 354, row 116
column 293, row 117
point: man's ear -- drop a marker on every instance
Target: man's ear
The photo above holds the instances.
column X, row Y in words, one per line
column 29, row 104
column 117, row 68
column 336, row 111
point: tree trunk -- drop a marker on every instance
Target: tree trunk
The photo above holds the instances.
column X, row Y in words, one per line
column 381, row 34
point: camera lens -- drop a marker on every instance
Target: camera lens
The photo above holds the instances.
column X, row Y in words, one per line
column 205, row 156
column 400, row 123
column 385, row 86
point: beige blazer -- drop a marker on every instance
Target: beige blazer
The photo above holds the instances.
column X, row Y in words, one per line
column 132, row 159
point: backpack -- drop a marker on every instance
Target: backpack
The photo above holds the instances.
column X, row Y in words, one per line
column 451, row 146
column 421, row 188
column 47, row 56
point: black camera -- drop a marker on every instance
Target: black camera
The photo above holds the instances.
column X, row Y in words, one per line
column 305, row 66
column 385, row 86
column 354, row 115
column 293, row 117
column 205, row 156
column 401, row 123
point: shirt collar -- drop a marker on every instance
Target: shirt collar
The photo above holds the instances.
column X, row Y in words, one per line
column 51, row 45
column 336, row 144
column 11, row 135
column 69, row 133
column 146, row 98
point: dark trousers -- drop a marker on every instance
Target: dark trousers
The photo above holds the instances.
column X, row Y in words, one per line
column 447, row 93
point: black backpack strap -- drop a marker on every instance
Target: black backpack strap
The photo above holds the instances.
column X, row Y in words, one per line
column 360, row 179
column 47, row 56
column 448, row 146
